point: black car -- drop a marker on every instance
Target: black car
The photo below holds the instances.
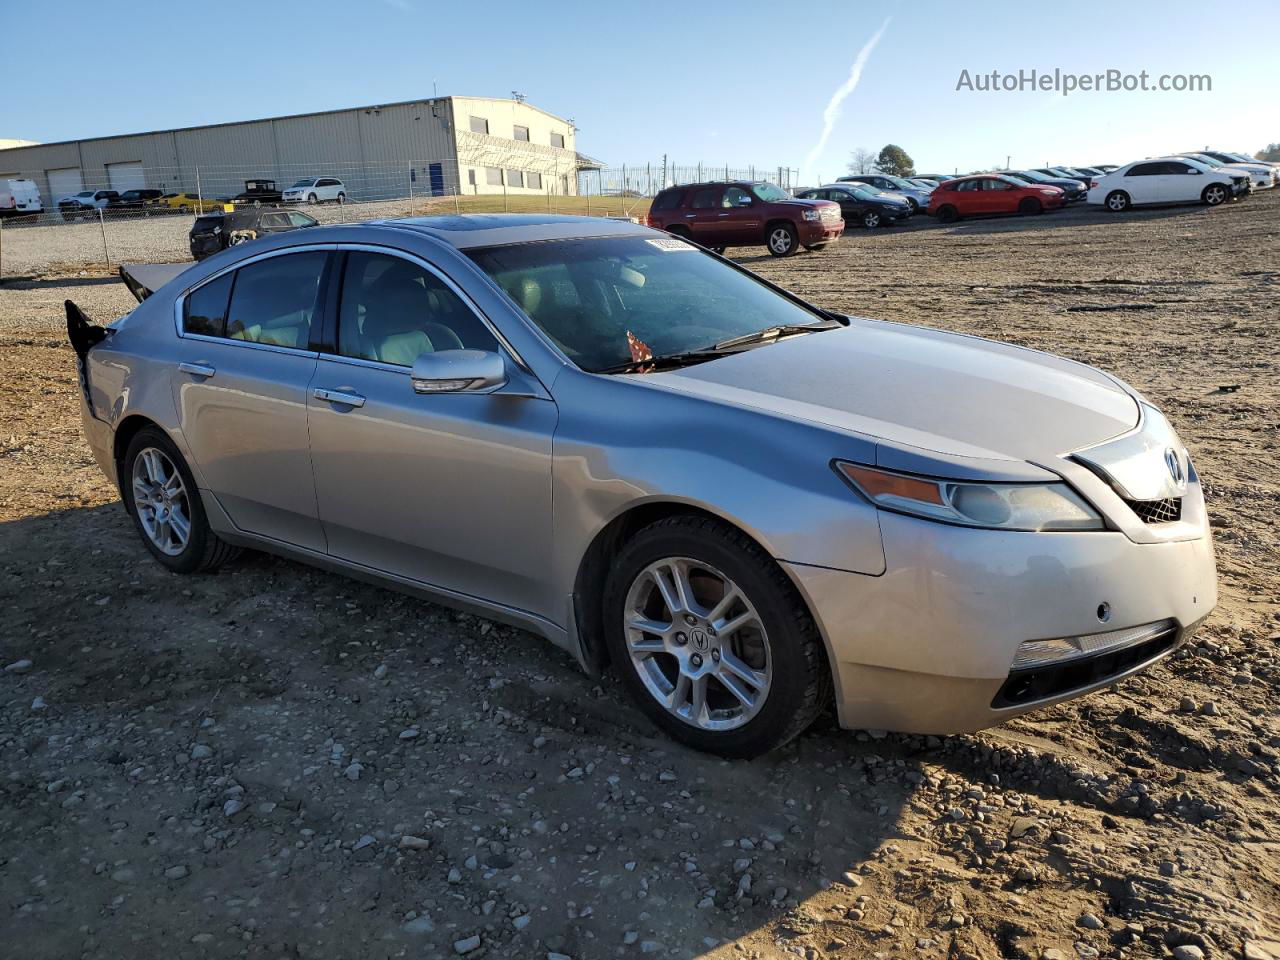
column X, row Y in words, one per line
column 864, row 205
column 258, row 192
column 133, row 200
column 217, row 231
column 1074, row 189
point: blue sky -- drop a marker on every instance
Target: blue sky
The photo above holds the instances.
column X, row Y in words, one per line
column 721, row 83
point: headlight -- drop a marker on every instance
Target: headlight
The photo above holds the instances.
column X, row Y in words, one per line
column 813, row 214
column 1047, row 193
column 999, row 506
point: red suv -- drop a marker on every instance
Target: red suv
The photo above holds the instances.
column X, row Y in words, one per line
column 743, row 214
column 990, row 193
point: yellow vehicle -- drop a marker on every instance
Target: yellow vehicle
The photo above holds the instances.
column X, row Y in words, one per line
column 189, row 203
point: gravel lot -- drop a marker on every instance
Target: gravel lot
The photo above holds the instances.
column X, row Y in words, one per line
column 276, row 762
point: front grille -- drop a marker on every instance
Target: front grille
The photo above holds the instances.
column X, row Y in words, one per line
column 1157, row 511
column 831, row 213
column 1044, row 683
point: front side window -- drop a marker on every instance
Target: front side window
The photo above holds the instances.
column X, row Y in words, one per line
column 274, row 301
column 300, row 219
column 393, row 311
column 596, row 297
column 205, row 309
column 736, row 197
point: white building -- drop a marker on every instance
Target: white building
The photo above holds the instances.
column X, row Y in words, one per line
column 438, row 146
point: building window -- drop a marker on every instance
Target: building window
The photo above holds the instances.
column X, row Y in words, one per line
column 557, row 140
column 522, row 133
column 471, row 177
column 533, row 181
column 479, row 125
column 515, row 178
column 493, row 176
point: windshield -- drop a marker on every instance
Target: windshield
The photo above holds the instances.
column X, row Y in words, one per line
column 85, row 193
column 769, row 193
column 866, row 193
column 905, row 184
column 1033, row 175
column 606, row 301
column 304, row 183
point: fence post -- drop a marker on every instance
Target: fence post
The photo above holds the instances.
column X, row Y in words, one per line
column 102, row 225
column 457, row 208
column 199, row 194
column 1, row 250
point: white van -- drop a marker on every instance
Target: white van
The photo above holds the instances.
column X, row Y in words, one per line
column 19, row 198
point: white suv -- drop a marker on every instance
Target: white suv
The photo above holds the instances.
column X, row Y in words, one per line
column 316, row 190
column 1166, row 180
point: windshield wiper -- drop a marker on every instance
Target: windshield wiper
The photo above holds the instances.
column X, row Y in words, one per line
column 774, row 333
column 669, row 360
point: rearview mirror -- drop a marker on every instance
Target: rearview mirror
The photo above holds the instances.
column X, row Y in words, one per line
column 459, row 371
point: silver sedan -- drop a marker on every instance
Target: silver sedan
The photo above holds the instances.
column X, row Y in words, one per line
column 745, row 505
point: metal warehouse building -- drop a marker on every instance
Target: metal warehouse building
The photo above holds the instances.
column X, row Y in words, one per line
column 438, row 146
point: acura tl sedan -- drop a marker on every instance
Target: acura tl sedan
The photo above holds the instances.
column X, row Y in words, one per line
column 747, row 506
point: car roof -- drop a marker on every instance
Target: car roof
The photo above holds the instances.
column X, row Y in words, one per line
column 471, row 230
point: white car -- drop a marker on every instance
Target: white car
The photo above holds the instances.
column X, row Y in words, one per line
column 1262, row 175
column 1166, row 180
column 316, row 190
column 19, row 198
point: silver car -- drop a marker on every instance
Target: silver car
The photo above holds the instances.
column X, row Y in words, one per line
column 746, row 506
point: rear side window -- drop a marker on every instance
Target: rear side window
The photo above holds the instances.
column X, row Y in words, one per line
column 668, row 200
column 705, row 199
column 274, row 301
column 205, row 309
column 1144, row 170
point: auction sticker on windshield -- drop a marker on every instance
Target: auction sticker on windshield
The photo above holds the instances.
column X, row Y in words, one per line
column 665, row 244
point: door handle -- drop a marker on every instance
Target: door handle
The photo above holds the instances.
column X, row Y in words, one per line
column 723, row 214
column 690, row 216
column 337, row 396
column 197, row 369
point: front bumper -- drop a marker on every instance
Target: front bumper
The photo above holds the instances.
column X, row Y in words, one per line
column 820, row 231
column 928, row 646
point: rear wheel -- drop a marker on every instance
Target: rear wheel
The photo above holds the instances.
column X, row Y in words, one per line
column 161, row 496
column 947, row 214
column 782, row 239
column 871, row 219
column 1030, row 206
column 712, row 640
column 1117, row 201
column 1214, row 194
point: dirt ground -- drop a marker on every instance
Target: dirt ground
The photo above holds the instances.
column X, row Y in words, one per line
column 275, row 762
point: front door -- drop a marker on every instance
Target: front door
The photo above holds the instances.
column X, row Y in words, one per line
column 451, row 490
column 998, row 196
column 739, row 216
column 241, row 392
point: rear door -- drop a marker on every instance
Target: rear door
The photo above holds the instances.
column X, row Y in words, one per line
column 241, row 390
column 453, row 490
column 703, row 216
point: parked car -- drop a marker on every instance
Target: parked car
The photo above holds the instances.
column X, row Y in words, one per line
column 258, row 192
column 190, row 202
column 1105, row 167
column 992, row 193
column 83, row 204
column 1057, row 173
column 914, row 194
column 1224, row 156
column 744, row 214
column 213, row 232
column 863, row 204
column 924, row 182
column 316, row 190
column 746, row 505
column 1074, row 189
column 937, row 177
column 134, row 201
column 20, row 197
column 1261, row 176
column 1166, row 180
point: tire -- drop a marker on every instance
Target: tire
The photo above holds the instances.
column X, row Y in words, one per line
column 871, row 220
column 717, row 250
column 815, row 247
column 776, row 642
column 782, row 239
column 184, row 209
column 947, row 214
column 1215, row 194
column 914, row 205
column 342, row 198
column 1117, row 201
column 311, row 198
column 152, row 455
column 1030, row 206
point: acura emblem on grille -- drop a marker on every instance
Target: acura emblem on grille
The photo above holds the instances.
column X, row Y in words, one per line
column 1174, row 464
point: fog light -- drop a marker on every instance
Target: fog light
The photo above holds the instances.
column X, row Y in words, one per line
column 1040, row 653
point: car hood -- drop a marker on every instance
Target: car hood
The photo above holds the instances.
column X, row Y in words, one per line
column 922, row 392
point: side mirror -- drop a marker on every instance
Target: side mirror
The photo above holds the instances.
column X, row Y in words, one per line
column 459, row 371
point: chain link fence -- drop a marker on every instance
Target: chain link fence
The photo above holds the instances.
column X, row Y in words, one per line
column 105, row 231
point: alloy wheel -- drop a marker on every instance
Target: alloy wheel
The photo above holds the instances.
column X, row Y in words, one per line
column 1215, row 195
column 780, row 240
column 161, row 501
column 697, row 643
column 871, row 220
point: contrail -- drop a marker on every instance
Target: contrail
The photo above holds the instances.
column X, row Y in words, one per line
column 832, row 113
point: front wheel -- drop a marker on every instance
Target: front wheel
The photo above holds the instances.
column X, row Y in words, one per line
column 712, row 640
column 161, row 496
column 1117, row 201
column 782, row 239
column 342, row 198
column 311, row 198
column 1214, row 194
